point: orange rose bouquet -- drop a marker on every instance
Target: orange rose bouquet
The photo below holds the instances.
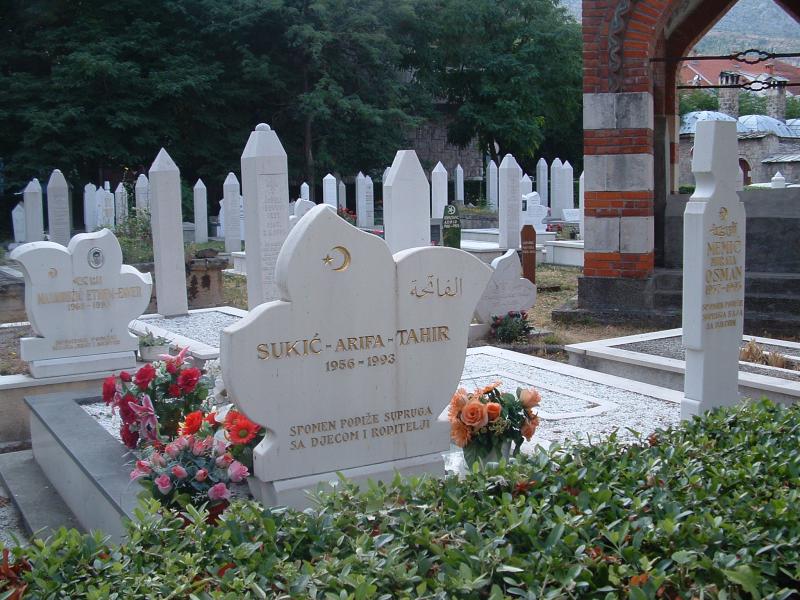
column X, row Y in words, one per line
column 486, row 422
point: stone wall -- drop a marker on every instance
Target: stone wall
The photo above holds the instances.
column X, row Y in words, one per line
column 430, row 143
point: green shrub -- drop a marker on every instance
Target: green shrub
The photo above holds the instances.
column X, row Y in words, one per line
column 707, row 510
column 510, row 328
column 135, row 237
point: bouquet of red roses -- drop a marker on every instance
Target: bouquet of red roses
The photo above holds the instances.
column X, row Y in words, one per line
column 153, row 401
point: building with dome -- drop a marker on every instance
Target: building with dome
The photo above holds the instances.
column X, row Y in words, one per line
column 768, row 144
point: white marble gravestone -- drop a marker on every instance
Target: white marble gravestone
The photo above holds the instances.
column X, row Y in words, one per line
column 200, row 198
column 556, row 184
column 567, row 187
column 142, row 192
column 230, row 194
column 535, row 213
column 305, row 191
column 18, row 222
column 241, row 217
column 778, row 181
column 301, row 207
column 350, row 369
column 80, row 300
column 369, row 193
column 109, row 208
column 491, row 186
column 459, row 185
column 89, row 208
column 34, row 213
column 713, row 272
column 120, row 204
column 541, row 181
column 510, row 203
column 572, row 215
column 166, row 224
column 525, row 185
column 100, row 208
column 342, row 195
column 406, row 203
column 329, row 191
column 361, row 200
column 59, row 213
column 507, row 290
column 265, row 180
column 438, row 191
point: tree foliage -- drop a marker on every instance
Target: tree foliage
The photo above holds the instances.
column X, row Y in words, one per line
column 752, row 104
column 94, row 87
column 694, row 100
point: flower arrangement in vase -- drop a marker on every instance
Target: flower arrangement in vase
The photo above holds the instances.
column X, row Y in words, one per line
column 154, row 400
column 487, row 422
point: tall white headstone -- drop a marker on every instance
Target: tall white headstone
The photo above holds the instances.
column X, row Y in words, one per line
column 556, row 183
column 406, row 208
column 567, row 188
column 541, row 181
column 265, row 184
column 120, row 204
column 342, row 194
column 778, row 181
column 581, row 203
column 438, row 191
column 510, row 203
column 525, row 185
column 369, row 192
column 108, row 205
column 242, row 232
column 142, row 193
column 713, row 272
column 88, row 331
column 167, row 224
column 18, row 222
column 491, row 185
column 459, row 185
column 59, row 215
column 89, row 208
column 200, row 212
column 376, row 348
column 329, row 191
column 304, row 191
column 34, row 213
column 230, row 194
column 535, row 213
column 361, row 200
column 100, row 208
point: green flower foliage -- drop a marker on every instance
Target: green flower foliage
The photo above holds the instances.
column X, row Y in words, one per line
column 706, row 510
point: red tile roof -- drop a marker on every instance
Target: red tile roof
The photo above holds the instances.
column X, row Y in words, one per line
column 707, row 71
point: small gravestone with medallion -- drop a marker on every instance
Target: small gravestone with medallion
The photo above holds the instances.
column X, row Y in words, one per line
column 351, row 368
column 80, row 301
column 451, row 227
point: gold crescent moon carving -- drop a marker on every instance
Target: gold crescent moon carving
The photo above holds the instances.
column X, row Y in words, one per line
column 345, row 258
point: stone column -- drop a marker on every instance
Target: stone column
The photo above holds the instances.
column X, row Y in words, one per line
column 567, row 186
column 120, row 204
column 89, row 208
column 200, row 213
column 329, row 191
column 406, row 206
column 166, row 223
column 230, row 194
column 34, row 214
column 510, row 203
column 141, row 192
column 438, row 191
column 542, row 182
column 265, row 185
column 459, row 185
column 59, row 213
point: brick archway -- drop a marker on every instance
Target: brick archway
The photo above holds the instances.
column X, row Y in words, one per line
column 631, row 135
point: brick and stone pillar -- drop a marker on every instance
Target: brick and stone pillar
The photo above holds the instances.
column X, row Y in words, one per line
column 729, row 97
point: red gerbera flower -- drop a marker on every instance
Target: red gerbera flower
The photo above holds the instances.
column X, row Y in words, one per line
column 241, row 430
column 192, row 423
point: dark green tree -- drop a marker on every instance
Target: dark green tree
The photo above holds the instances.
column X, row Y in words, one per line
column 793, row 107
column 694, row 100
column 752, row 104
column 505, row 73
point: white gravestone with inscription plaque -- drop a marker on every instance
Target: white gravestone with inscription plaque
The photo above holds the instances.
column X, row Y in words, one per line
column 80, row 300
column 350, row 369
column 713, row 273
column 507, row 291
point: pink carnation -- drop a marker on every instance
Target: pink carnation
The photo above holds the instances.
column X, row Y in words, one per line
column 237, row 471
column 163, row 484
column 219, row 491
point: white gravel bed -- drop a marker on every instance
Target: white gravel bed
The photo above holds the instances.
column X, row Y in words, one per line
column 10, row 521
column 204, row 327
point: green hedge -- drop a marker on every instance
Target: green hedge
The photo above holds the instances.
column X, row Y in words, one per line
column 707, row 510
